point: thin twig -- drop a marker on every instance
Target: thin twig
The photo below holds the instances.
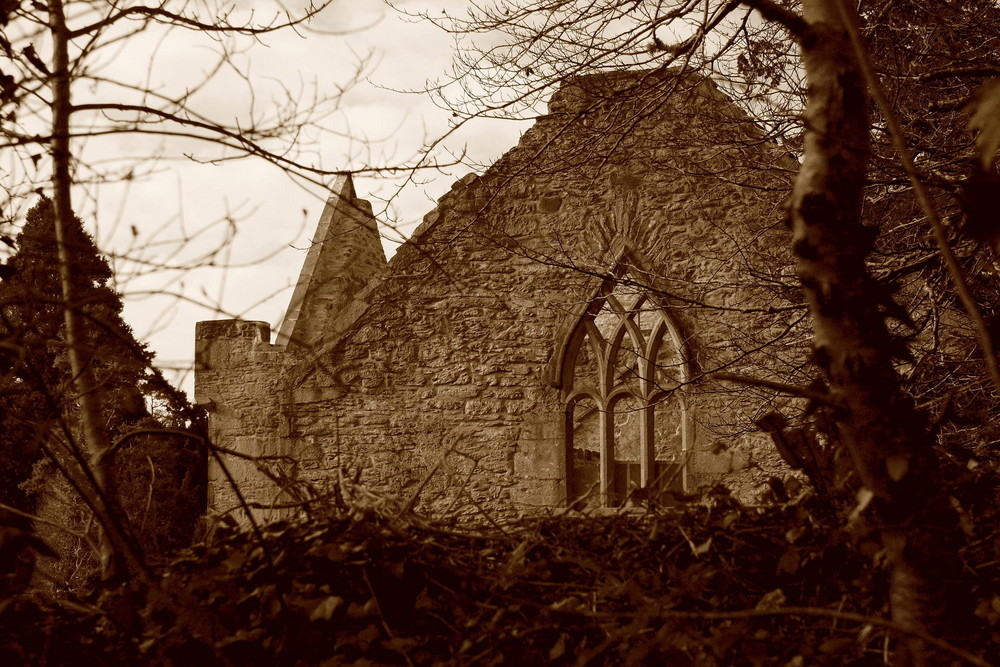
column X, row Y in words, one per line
column 149, row 496
column 851, row 22
column 412, row 500
column 968, row 657
column 48, row 522
column 796, row 390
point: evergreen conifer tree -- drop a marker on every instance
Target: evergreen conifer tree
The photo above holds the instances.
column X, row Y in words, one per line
column 38, row 391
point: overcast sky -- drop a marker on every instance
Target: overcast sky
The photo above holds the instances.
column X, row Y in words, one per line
column 172, row 217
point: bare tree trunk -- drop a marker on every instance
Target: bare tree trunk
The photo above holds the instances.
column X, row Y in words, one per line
column 888, row 440
column 113, row 546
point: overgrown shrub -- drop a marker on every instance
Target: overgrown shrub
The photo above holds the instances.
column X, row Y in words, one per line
column 711, row 584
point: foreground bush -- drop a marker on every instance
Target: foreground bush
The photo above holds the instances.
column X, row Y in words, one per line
column 714, row 584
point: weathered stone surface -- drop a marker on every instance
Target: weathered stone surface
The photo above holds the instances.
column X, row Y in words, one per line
column 453, row 359
column 345, row 254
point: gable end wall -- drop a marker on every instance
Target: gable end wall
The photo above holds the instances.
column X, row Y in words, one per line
column 447, row 372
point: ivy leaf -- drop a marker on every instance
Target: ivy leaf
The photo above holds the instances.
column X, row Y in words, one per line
column 703, row 547
column 771, row 601
column 985, row 121
column 325, row 609
column 897, row 467
column 558, row 649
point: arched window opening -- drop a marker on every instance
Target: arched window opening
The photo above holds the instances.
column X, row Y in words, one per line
column 583, row 450
column 626, row 421
column 626, row 449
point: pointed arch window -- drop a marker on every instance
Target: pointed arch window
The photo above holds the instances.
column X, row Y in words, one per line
column 623, row 378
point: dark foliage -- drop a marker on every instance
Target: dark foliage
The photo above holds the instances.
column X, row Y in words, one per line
column 161, row 478
column 38, row 409
column 33, row 316
column 714, row 584
column 35, row 391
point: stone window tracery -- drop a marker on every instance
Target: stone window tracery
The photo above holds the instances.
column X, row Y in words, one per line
column 624, row 372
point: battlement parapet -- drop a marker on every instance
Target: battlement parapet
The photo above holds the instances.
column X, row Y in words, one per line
column 211, row 330
column 230, row 352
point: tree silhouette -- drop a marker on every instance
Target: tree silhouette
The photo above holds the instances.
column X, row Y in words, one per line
column 32, row 311
column 37, row 395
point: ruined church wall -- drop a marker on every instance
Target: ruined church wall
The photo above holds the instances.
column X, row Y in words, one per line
column 457, row 351
column 239, row 380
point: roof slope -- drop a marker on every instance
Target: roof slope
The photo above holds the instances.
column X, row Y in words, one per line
column 346, row 253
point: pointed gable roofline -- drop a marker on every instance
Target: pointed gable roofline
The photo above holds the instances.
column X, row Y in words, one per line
column 345, row 254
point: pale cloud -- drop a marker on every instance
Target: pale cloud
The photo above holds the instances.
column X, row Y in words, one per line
column 273, row 217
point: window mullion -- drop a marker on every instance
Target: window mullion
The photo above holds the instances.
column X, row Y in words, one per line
column 607, row 452
column 647, row 449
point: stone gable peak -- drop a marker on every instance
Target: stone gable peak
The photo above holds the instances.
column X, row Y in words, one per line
column 344, row 255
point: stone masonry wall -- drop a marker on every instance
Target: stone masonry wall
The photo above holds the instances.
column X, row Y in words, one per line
column 452, row 368
column 345, row 253
column 238, row 382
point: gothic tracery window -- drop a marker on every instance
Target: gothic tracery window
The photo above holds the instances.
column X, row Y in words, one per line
column 623, row 377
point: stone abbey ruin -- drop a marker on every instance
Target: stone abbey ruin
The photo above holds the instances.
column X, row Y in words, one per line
column 548, row 336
